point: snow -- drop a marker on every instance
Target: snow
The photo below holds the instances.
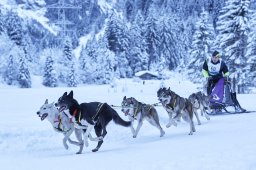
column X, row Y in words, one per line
column 27, row 143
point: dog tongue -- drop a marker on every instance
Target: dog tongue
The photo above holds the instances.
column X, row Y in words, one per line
column 44, row 116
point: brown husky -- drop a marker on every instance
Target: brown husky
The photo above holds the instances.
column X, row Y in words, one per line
column 176, row 108
column 136, row 110
column 200, row 102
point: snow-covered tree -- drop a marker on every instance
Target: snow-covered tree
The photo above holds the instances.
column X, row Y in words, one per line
column 250, row 68
column 152, row 39
column 232, row 36
column 1, row 23
column 14, row 28
column 66, row 61
column 87, row 61
column 116, row 34
column 23, row 77
column 203, row 39
column 136, row 54
column 10, row 75
column 50, row 75
column 72, row 76
column 124, row 69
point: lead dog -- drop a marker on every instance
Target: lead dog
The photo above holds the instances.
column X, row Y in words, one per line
column 90, row 115
column 176, row 108
column 61, row 123
column 200, row 103
column 136, row 110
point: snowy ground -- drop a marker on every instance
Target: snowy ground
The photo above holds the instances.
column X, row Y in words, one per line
column 26, row 143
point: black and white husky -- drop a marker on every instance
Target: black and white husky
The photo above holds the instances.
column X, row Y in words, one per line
column 90, row 115
column 61, row 123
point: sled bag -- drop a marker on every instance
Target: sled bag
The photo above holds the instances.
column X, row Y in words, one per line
column 218, row 91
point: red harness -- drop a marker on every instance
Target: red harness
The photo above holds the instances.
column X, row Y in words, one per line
column 74, row 114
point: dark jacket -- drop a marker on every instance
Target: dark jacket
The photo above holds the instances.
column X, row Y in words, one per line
column 223, row 70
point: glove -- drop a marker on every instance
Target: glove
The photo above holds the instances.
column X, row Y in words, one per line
column 226, row 79
column 210, row 78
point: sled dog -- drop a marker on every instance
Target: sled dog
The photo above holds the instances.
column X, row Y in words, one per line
column 61, row 123
column 90, row 115
column 200, row 103
column 136, row 110
column 176, row 107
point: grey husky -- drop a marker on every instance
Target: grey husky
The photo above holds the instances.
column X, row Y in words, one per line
column 200, row 103
column 62, row 124
column 136, row 110
column 176, row 108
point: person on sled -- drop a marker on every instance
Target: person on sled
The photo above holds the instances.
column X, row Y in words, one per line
column 214, row 69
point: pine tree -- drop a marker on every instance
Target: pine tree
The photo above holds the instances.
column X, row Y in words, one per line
column 11, row 72
column 152, row 40
column 137, row 55
column 50, row 76
column 72, row 77
column 1, row 23
column 250, row 69
column 23, row 78
column 233, row 33
column 124, row 67
column 116, row 34
column 67, row 59
column 88, row 62
column 203, row 39
column 14, row 28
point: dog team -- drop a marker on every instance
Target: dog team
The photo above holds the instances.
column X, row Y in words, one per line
column 68, row 116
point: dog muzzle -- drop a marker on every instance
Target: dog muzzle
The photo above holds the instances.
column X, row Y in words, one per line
column 62, row 108
column 43, row 116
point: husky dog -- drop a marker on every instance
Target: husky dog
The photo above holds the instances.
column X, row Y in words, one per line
column 200, row 102
column 61, row 123
column 136, row 110
column 176, row 107
column 90, row 115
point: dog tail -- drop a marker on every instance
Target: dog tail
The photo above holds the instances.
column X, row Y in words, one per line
column 118, row 120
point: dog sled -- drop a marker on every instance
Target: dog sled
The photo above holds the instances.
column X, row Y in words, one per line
column 223, row 98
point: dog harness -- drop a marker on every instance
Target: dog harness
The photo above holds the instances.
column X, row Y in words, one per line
column 60, row 126
column 172, row 104
column 139, row 109
column 78, row 121
column 79, row 118
column 97, row 111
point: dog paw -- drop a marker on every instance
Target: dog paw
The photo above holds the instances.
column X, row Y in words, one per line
column 190, row 133
column 162, row 134
column 66, row 146
column 79, row 152
column 95, row 150
column 134, row 136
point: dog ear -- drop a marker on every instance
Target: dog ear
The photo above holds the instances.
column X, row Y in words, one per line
column 71, row 94
column 124, row 98
column 46, row 101
column 65, row 94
